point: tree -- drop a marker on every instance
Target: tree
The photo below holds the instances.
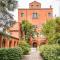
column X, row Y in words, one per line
column 5, row 16
column 58, row 30
column 27, row 29
column 49, row 30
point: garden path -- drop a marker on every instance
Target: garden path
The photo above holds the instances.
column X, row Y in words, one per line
column 33, row 55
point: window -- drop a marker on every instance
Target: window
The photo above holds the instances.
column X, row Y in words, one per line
column 34, row 15
column 31, row 5
column 49, row 14
column 22, row 14
column 37, row 5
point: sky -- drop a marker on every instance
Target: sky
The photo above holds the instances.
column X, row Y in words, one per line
column 44, row 4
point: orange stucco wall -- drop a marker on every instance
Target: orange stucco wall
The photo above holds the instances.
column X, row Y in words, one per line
column 42, row 15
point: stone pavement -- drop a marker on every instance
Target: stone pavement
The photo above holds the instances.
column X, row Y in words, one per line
column 33, row 55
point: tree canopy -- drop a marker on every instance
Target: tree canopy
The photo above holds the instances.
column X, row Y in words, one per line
column 28, row 30
column 6, row 18
column 51, row 29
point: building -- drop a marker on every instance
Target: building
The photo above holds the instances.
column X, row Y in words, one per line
column 9, row 38
column 8, row 41
column 37, row 16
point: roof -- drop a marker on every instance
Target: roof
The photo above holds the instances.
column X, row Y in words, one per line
column 35, row 9
column 5, row 34
column 15, row 26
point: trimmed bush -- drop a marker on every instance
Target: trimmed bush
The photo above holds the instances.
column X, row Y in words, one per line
column 14, row 53
column 25, row 47
column 50, row 52
column 11, row 53
column 3, row 54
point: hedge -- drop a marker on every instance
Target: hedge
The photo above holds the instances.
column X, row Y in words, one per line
column 50, row 52
column 25, row 47
column 11, row 53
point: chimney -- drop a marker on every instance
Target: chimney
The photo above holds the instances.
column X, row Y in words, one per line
column 50, row 6
column 55, row 15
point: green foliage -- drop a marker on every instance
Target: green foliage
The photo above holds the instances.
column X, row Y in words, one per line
column 27, row 29
column 11, row 53
column 15, row 53
column 9, row 4
column 3, row 54
column 25, row 47
column 6, row 18
column 50, row 52
column 51, row 29
column 58, row 30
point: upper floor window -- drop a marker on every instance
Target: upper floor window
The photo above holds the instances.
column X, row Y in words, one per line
column 31, row 5
column 34, row 15
column 37, row 5
column 49, row 14
column 22, row 14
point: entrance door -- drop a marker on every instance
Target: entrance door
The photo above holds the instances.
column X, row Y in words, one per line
column 34, row 44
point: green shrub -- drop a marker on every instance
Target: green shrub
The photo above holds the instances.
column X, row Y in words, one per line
column 50, row 52
column 11, row 53
column 3, row 54
column 25, row 47
column 14, row 53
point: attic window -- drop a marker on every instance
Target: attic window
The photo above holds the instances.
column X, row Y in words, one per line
column 37, row 5
column 35, row 15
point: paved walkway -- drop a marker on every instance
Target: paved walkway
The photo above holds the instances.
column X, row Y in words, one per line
column 34, row 55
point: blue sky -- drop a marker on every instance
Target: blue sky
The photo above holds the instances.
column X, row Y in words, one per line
column 45, row 4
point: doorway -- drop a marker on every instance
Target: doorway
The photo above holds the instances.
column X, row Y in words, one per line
column 34, row 44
